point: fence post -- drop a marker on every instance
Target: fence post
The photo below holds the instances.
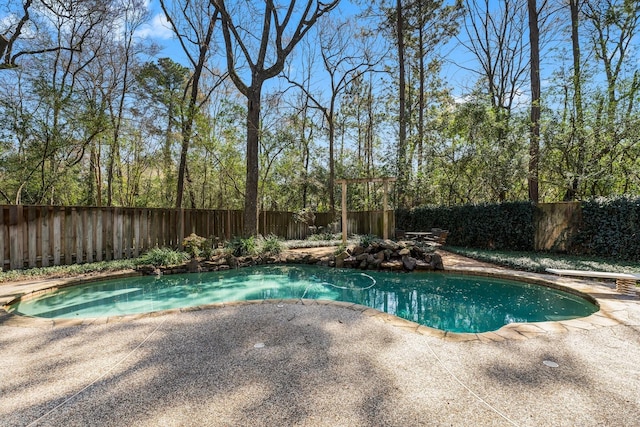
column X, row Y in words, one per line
column 344, row 211
column 3, row 238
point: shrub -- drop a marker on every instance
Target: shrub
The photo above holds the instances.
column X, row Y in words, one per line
column 165, row 257
column 366, row 240
column 239, row 246
column 325, row 236
column 340, row 248
column 507, row 226
column 610, row 227
column 271, row 245
column 194, row 245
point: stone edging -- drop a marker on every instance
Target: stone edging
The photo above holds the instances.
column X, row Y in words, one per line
column 609, row 301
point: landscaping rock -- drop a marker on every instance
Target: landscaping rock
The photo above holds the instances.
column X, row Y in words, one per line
column 357, row 250
column 361, row 257
column 423, row 265
column 389, row 245
column 384, row 254
column 409, row 262
column 436, row 262
column 392, row 265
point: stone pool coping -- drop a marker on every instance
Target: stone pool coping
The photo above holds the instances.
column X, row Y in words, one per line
column 612, row 304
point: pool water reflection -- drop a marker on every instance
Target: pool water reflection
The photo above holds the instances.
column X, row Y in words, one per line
column 456, row 303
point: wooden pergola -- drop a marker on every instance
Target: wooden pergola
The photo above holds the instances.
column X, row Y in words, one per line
column 385, row 191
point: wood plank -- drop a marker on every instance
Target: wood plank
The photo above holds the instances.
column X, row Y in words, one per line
column 127, row 232
column 153, row 232
column 4, row 236
column 137, row 240
column 58, row 217
column 33, row 231
column 364, row 180
column 117, row 233
column 179, row 228
column 15, row 237
column 88, row 216
column 79, row 235
column 69, row 241
column 144, row 231
column 99, row 233
column 45, row 240
column 107, row 223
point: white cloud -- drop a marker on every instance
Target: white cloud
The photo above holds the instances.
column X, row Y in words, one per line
column 158, row 29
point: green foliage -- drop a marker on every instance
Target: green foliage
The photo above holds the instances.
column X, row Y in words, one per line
column 490, row 226
column 324, row 237
column 165, row 257
column 610, row 228
column 539, row 261
column 66, row 270
column 240, row 246
column 366, row 240
column 271, row 245
column 311, row 242
column 340, row 248
column 194, row 245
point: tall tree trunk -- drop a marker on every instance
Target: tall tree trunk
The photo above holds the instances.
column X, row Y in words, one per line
column 166, row 154
column 534, row 131
column 250, row 227
column 402, row 121
column 187, row 128
column 332, row 165
column 421, row 98
column 578, row 125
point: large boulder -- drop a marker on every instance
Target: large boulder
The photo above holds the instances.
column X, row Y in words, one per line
column 409, row 263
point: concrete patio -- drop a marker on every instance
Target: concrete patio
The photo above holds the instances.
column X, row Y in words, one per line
column 318, row 363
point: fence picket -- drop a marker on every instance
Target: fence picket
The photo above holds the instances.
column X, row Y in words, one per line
column 33, row 232
column 87, row 222
column 57, row 238
column 45, row 240
column 55, row 235
column 15, row 237
column 98, row 233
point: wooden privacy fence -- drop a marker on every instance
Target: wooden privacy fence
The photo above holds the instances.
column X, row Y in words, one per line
column 41, row 236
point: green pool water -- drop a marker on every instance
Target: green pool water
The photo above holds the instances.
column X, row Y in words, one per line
column 456, row 303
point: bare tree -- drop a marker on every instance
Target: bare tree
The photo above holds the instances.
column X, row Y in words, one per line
column 534, row 133
column 346, row 57
column 14, row 42
column 193, row 23
column 264, row 60
column 402, row 108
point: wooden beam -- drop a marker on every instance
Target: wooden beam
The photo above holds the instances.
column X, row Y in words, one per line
column 344, row 211
column 364, row 180
column 385, row 232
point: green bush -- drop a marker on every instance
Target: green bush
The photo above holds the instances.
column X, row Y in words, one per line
column 508, row 226
column 194, row 245
column 366, row 240
column 239, row 246
column 271, row 245
column 165, row 257
column 610, row 228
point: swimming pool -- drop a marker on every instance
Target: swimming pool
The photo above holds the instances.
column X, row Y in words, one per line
column 455, row 303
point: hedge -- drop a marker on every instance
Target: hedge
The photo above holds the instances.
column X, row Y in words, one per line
column 504, row 226
column 610, row 228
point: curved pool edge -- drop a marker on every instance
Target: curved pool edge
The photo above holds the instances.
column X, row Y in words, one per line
column 604, row 296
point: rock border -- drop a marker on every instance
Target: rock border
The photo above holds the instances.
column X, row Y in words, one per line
column 379, row 255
